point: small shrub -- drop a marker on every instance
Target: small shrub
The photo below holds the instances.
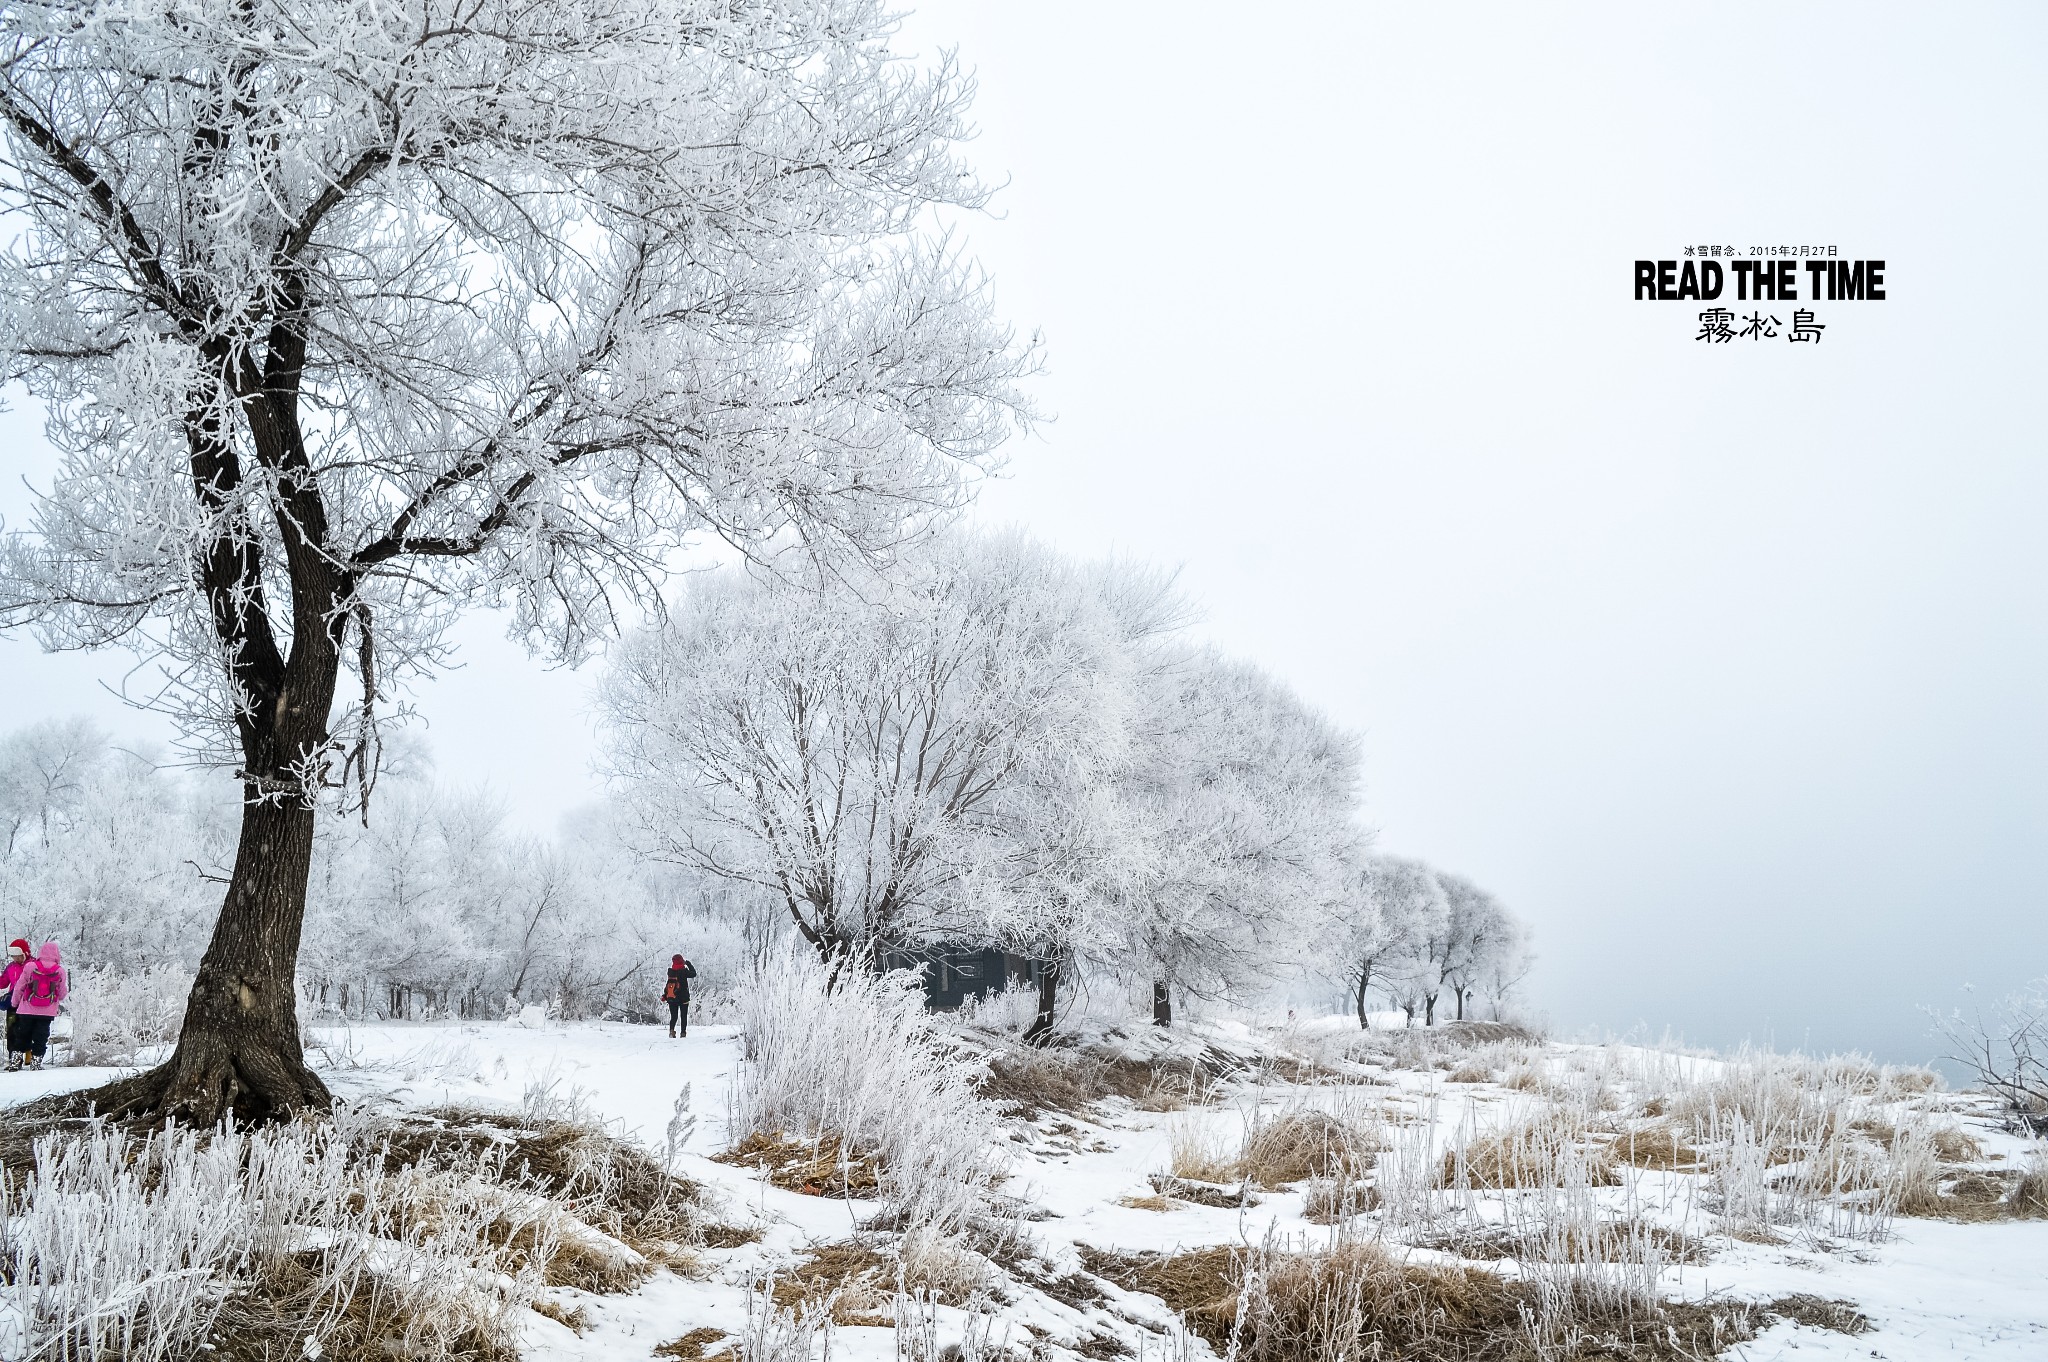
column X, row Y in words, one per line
column 853, row 1058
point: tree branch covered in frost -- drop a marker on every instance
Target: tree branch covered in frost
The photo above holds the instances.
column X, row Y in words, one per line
column 1239, row 806
column 347, row 315
column 892, row 758
column 993, row 745
column 2007, row 1053
column 101, row 851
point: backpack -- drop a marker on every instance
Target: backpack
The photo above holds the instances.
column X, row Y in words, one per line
column 668, row 995
column 41, row 988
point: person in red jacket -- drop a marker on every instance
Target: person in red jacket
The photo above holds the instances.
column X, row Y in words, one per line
column 676, row 993
column 17, row 961
column 39, row 991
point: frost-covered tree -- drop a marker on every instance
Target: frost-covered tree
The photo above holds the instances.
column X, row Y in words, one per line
column 1413, row 931
column 1411, row 913
column 347, row 316
column 1484, row 949
column 1242, row 799
column 896, row 758
column 1362, row 936
column 102, row 851
column 438, row 907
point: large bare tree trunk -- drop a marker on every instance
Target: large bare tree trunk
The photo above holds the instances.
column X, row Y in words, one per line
column 1364, row 981
column 1162, row 1005
column 239, row 1050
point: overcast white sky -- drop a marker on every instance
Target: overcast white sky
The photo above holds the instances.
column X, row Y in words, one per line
column 1722, row 665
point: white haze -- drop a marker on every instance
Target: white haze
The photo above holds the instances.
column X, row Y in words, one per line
column 1722, row 668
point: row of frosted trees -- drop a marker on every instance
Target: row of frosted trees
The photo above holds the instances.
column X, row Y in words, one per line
column 994, row 744
column 987, row 744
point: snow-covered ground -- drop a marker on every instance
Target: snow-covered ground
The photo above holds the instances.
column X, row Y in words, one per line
column 1932, row 1289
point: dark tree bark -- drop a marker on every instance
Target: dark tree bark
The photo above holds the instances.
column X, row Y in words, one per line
column 1429, row 1009
column 1162, row 1005
column 1040, row 1030
column 1364, row 981
column 238, row 1051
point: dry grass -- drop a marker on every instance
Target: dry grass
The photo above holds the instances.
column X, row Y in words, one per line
column 2030, row 1196
column 807, row 1167
column 1024, row 1083
column 1308, row 1143
column 1607, row 1241
column 264, row 1322
column 690, row 1347
column 1196, row 1152
column 856, row 1282
column 1202, row 1193
column 573, row 1317
column 1149, row 1203
column 1551, row 1150
column 1819, row 1313
column 731, row 1236
column 611, row 1186
column 476, row 1214
column 1662, row 1147
column 1332, row 1201
column 1356, row 1301
column 1953, row 1144
column 1973, row 1197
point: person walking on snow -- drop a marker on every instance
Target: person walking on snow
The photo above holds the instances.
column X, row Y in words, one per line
column 38, row 992
column 17, row 961
column 676, row 993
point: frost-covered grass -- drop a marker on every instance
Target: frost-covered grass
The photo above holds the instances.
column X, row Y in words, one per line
column 1584, row 1194
column 231, row 1245
column 116, row 1016
column 853, row 1065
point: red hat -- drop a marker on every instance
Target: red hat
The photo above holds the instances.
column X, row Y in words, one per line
column 22, row 946
column 678, row 962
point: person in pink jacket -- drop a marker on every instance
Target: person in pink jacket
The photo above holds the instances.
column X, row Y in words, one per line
column 17, row 961
column 39, row 990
